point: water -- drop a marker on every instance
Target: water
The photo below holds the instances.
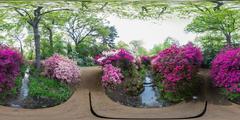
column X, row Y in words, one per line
column 24, row 88
column 23, row 92
column 150, row 97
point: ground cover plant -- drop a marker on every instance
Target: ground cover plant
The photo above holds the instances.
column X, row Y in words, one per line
column 175, row 69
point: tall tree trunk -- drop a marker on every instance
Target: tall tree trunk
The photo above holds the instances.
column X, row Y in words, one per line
column 37, row 46
column 21, row 47
column 76, row 46
column 50, row 39
column 229, row 39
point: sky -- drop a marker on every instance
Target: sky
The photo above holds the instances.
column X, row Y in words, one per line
column 151, row 32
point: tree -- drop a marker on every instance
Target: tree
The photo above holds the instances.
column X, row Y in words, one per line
column 122, row 44
column 33, row 18
column 211, row 44
column 137, row 48
column 109, row 39
column 216, row 19
column 80, row 26
column 50, row 22
column 167, row 43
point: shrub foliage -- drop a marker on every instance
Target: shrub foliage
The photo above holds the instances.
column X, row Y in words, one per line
column 10, row 61
column 62, row 69
column 225, row 70
column 177, row 67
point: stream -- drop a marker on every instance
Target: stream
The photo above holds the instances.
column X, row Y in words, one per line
column 17, row 103
column 150, row 97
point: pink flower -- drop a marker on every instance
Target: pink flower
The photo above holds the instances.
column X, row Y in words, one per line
column 62, row 68
column 225, row 69
column 10, row 61
column 108, row 57
column 111, row 75
column 177, row 64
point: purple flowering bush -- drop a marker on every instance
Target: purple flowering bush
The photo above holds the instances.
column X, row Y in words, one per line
column 176, row 68
column 225, row 71
column 113, row 56
column 111, row 76
column 61, row 68
column 145, row 60
column 10, row 61
column 120, row 70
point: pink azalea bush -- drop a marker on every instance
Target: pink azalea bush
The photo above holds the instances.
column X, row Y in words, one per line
column 177, row 64
column 10, row 61
column 111, row 76
column 108, row 57
column 225, row 70
column 116, row 64
column 120, row 69
column 62, row 69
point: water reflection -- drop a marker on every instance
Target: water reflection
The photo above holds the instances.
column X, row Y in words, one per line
column 19, row 102
column 150, row 97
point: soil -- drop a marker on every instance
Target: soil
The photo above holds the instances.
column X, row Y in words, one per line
column 30, row 102
column 236, row 101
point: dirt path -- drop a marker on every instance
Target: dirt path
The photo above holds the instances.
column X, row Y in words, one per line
column 78, row 106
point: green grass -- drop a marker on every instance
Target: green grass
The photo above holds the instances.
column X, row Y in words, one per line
column 44, row 87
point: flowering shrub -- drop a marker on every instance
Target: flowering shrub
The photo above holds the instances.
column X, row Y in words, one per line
column 61, row 68
column 111, row 76
column 108, row 57
column 119, row 58
column 10, row 61
column 177, row 65
column 117, row 64
column 225, row 70
column 145, row 60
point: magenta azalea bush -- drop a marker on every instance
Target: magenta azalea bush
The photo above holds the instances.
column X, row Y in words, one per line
column 145, row 60
column 177, row 64
column 120, row 69
column 10, row 61
column 117, row 62
column 108, row 57
column 225, row 70
column 111, row 75
column 62, row 69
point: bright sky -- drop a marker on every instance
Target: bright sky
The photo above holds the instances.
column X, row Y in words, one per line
column 151, row 32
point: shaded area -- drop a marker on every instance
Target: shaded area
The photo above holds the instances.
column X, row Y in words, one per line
column 150, row 96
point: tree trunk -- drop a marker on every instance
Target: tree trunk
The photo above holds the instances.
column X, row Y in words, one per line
column 76, row 46
column 50, row 39
column 229, row 39
column 37, row 46
column 21, row 47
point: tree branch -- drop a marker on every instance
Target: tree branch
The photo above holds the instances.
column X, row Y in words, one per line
column 30, row 19
column 85, row 36
column 54, row 11
column 105, row 4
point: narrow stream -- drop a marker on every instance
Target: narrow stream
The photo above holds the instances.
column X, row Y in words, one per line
column 150, row 97
column 23, row 92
